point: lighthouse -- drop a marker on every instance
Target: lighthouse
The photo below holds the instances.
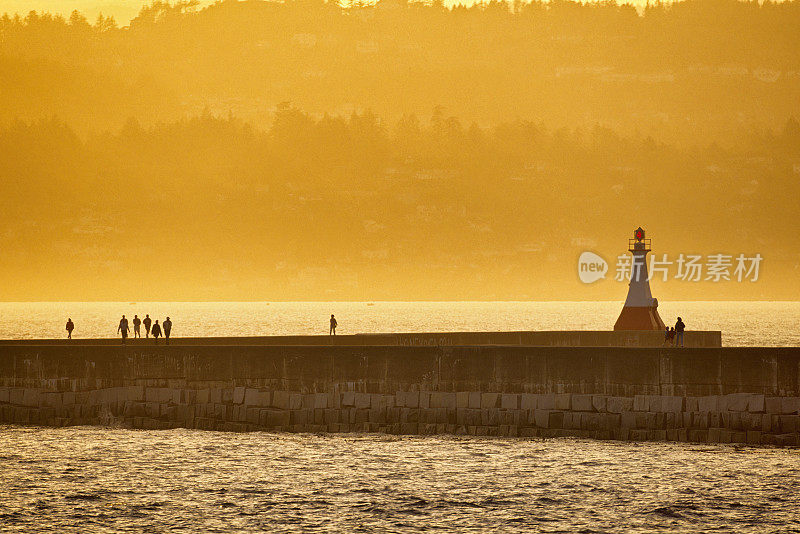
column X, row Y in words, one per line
column 641, row 309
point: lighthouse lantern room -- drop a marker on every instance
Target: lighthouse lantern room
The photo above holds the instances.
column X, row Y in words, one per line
column 641, row 309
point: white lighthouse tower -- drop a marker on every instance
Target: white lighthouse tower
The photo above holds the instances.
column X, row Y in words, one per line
column 641, row 309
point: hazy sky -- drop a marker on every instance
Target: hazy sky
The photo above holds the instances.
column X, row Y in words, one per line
column 295, row 152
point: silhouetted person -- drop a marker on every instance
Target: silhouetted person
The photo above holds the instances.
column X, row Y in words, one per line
column 167, row 329
column 666, row 336
column 137, row 326
column 70, row 328
column 147, row 322
column 672, row 336
column 123, row 328
column 156, row 331
column 679, row 328
column 334, row 324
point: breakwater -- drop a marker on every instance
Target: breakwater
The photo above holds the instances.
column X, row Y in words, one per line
column 737, row 394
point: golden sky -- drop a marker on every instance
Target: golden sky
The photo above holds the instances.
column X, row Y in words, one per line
column 300, row 151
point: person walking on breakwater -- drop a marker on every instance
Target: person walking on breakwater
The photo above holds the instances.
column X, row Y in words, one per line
column 167, row 329
column 147, row 322
column 672, row 336
column 137, row 326
column 666, row 336
column 70, row 328
column 156, row 331
column 679, row 328
column 334, row 324
column 123, row 328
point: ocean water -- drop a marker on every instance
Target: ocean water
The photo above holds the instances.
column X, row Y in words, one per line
column 104, row 480
column 741, row 323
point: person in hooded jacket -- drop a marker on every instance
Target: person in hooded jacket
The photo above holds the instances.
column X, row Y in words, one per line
column 156, row 331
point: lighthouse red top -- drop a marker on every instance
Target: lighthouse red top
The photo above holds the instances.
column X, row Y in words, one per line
column 638, row 234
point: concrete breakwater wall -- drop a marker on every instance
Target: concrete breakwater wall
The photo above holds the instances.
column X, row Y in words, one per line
column 566, row 338
column 738, row 395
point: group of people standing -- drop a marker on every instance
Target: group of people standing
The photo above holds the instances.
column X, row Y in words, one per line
column 674, row 335
column 150, row 327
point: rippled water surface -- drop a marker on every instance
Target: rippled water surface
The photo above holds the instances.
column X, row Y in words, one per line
column 742, row 323
column 101, row 480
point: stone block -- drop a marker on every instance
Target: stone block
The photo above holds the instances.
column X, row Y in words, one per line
column 448, row 401
column 772, row 405
column 409, row 428
column 238, row 395
column 475, row 399
column 738, row 437
column 377, row 401
column 590, row 421
column 563, row 401
column 736, row 402
column 252, row 414
column 152, row 409
column 528, row 401
column 490, row 417
column 250, row 397
column 50, row 399
column 295, row 401
column 619, row 404
column 546, row 401
column 572, row 420
column 698, row 436
column 331, row 415
column 5, row 395
column 359, row 415
column 411, row 399
column 363, row 400
column 671, row 403
column 599, row 403
column 280, row 399
column 509, row 401
column 424, row 399
column 732, row 420
column 628, row 419
column 320, row 401
column 582, row 403
column 710, row 403
column 335, row 399
column 789, row 423
column 203, row 396
column 274, row 418
column 462, row 399
column 549, row 418
column 789, row 405
column 641, row 403
column 691, row 404
column 349, row 398
column 756, row 404
column 30, row 397
column 490, row 400
column 152, row 395
column 753, row 437
column 298, row 417
column 254, row 397
column 378, row 415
